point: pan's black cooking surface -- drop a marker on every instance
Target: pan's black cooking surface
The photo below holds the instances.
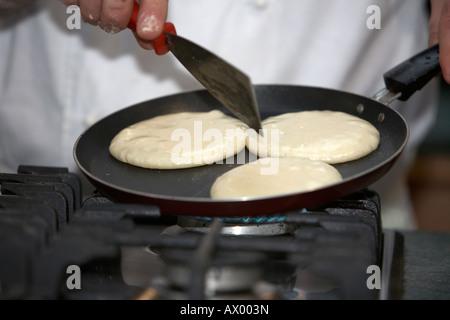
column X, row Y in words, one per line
column 186, row 191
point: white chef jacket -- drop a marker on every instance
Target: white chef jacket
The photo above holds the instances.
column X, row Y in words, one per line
column 56, row 82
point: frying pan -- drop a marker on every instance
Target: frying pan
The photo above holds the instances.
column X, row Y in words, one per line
column 185, row 192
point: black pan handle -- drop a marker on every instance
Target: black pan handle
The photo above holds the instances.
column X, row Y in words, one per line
column 414, row 73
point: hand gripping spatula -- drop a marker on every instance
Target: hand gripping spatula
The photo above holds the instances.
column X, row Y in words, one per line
column 227, row 84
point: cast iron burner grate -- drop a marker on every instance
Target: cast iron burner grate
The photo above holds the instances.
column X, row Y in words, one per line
column 52, row 240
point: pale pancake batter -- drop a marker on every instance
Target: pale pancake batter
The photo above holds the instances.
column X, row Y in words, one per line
column 329, row 136
column 293, row 175
column 180, row 140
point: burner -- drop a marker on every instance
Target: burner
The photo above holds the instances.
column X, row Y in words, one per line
column 245, row 226
column 161, row 289
column 228, row 272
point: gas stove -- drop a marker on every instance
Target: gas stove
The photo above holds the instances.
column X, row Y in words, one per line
column 58, row 244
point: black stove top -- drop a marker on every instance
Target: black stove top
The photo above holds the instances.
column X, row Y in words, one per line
column 56, row 245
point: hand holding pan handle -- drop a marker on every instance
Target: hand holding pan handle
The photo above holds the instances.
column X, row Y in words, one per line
column 159, row 44
column 413, row 74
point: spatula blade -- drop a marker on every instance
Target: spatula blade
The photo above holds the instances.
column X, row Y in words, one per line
column 226, row 83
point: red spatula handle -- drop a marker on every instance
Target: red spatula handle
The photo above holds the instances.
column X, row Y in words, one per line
column 159, row 44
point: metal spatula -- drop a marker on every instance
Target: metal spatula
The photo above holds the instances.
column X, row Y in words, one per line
column 226, row 83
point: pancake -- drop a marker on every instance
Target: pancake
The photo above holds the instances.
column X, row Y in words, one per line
column 180, row 140
column 274, row 176
column 329, row 136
